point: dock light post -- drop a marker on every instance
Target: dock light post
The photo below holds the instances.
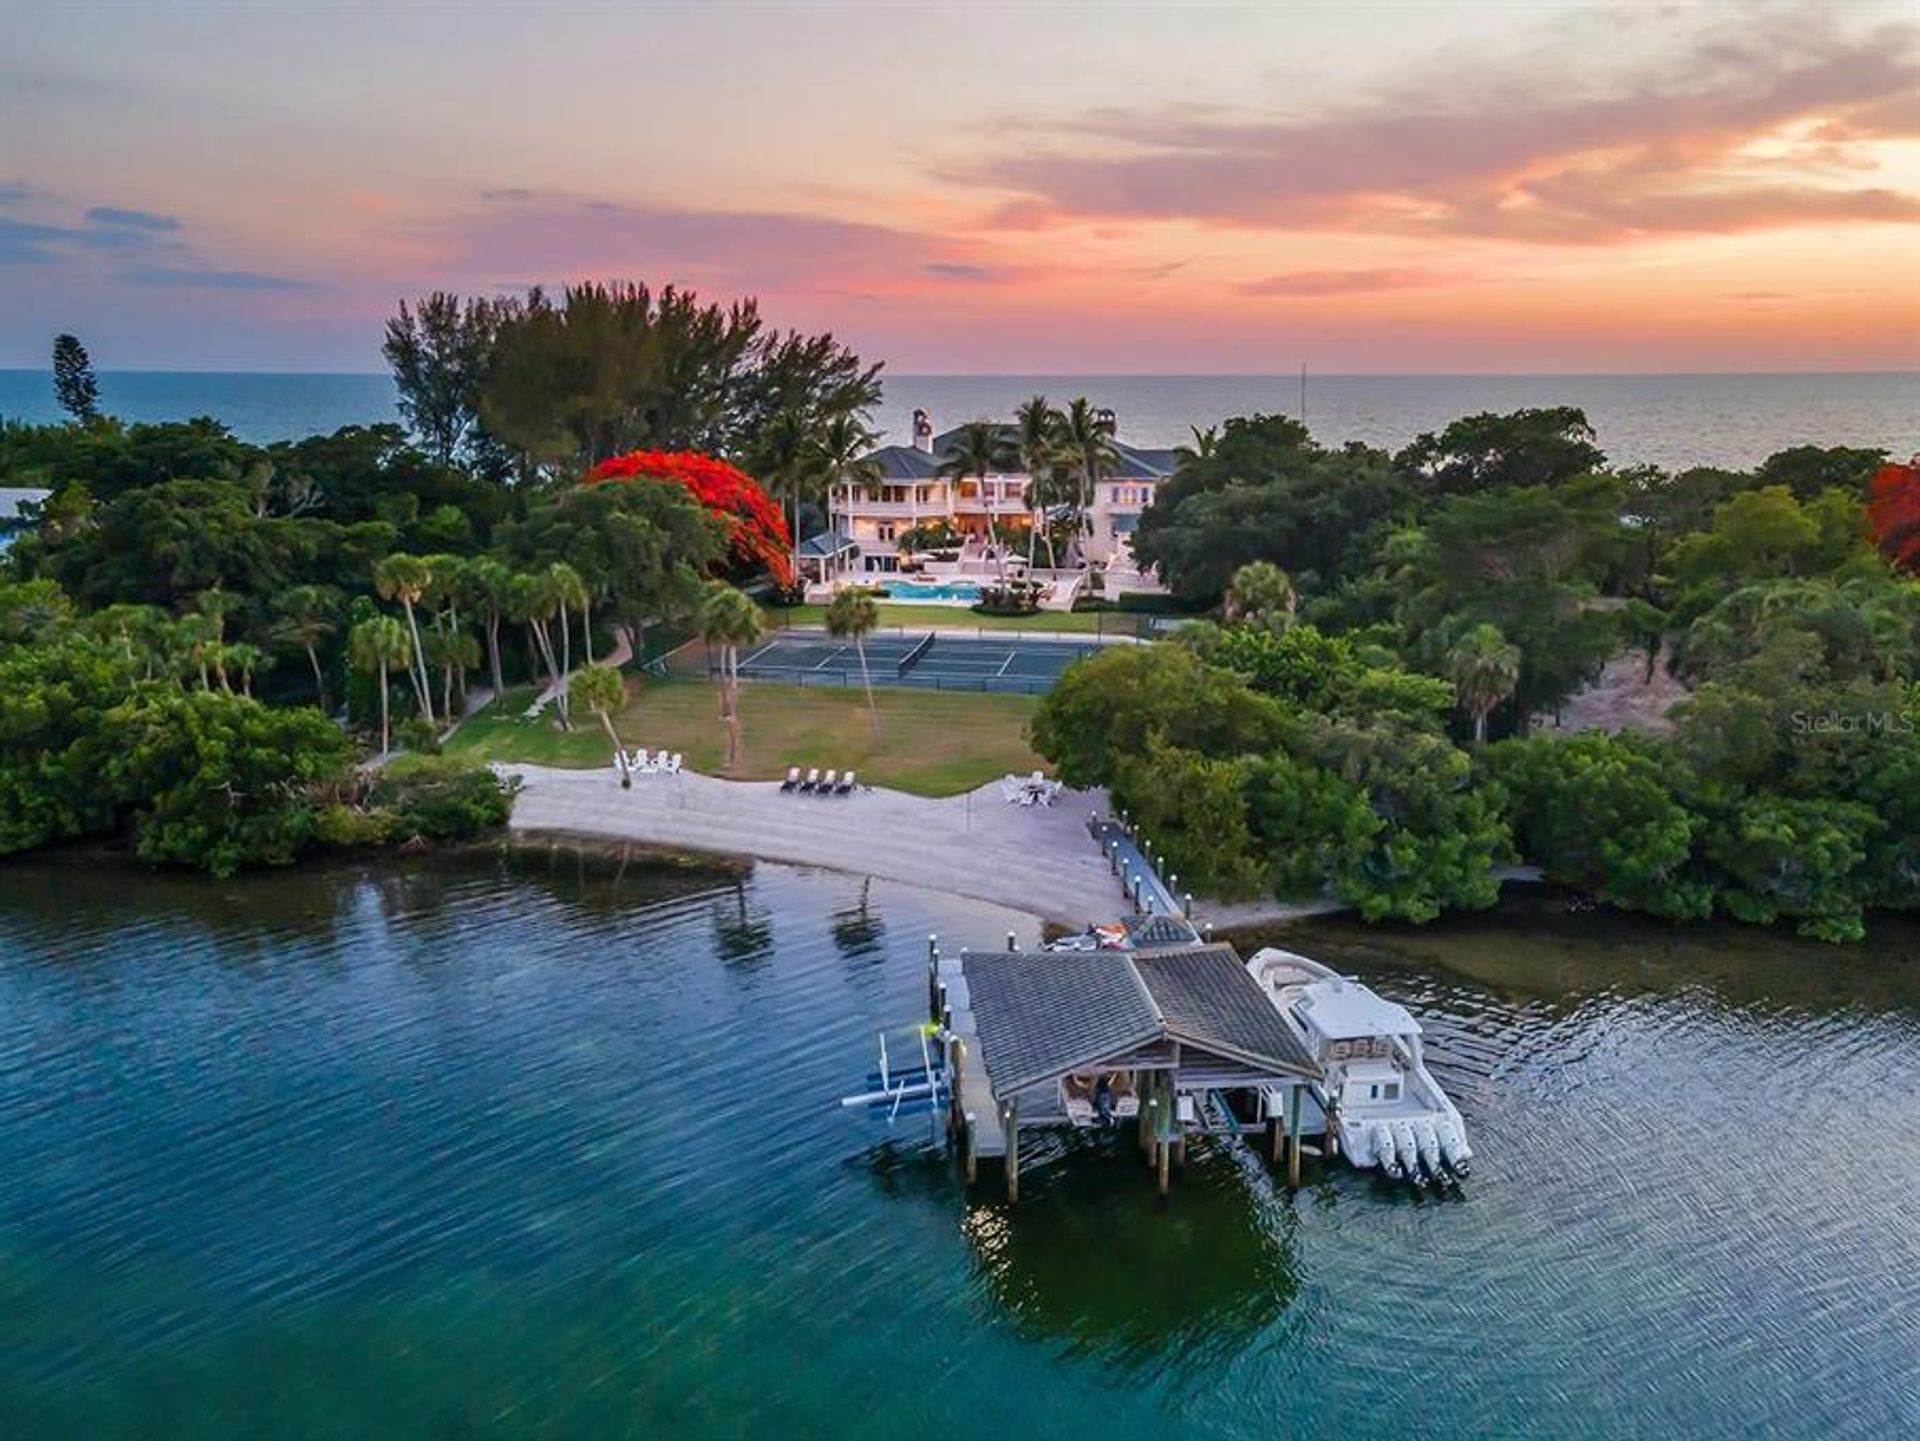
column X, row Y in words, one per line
column 1189, row 907
column 1173, row 881
column 1113, row 857
column 1010, row 942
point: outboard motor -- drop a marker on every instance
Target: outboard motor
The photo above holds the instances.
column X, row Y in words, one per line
column 1408, row 1154
column 1383, row 1151
column 1429, row 1145
column 1454, row 1149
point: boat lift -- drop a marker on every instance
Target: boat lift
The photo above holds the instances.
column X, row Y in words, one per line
column 910, row 1090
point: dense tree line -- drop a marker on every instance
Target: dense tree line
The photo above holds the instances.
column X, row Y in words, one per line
column 1366, row 715
column 199, row 634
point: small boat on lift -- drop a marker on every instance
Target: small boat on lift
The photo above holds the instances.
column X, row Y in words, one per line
column 1382, row 1102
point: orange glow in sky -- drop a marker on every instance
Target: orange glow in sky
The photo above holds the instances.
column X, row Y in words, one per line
column 1375, row 188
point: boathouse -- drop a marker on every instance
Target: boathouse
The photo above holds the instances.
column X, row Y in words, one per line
column 1175, row 1040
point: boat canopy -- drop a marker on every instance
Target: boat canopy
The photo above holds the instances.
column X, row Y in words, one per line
column 1342, row 1011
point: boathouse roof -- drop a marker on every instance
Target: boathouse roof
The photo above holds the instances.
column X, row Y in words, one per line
column 1208, row 1000
column 1038, row 1016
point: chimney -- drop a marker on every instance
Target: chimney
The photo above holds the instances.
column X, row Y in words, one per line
column 922, row 431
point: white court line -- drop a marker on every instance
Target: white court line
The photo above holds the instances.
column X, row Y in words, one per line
column 771, row 645
column 1004, row 664
column 832, row 656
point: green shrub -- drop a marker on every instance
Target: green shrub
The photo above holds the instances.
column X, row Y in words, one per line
column 441, row 798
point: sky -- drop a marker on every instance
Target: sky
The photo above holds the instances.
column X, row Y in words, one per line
column 1414, row 187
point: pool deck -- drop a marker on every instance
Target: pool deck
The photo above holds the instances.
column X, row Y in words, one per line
column 1037, row 859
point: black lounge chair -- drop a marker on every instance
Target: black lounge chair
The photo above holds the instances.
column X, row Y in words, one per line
column 792, row 781
column 812, row 780
column 846, row 785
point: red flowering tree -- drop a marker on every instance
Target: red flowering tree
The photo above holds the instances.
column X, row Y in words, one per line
column 1894, row 513
column 757, row 531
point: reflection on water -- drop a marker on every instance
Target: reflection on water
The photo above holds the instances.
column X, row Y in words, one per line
column 1094, row 1258
column 438, row 1148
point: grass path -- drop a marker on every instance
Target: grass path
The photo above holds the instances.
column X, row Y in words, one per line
column 931, row 743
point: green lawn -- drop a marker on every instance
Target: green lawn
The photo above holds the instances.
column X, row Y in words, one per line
column 921, row 616
column 931, row 743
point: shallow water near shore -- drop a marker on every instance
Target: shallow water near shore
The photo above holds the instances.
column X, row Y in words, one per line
column 474, row 1149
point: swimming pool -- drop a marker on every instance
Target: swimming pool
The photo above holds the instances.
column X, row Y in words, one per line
column 903, row 588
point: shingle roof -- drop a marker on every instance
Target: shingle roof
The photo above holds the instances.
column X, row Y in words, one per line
column 1043, row 1015
column 1208, row 999
column 1155, row 932
column 1040, row 1015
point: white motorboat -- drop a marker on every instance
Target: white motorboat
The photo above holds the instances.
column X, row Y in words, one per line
column 1384, row 1104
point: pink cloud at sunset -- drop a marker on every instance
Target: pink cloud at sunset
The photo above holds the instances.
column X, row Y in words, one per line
column 1557, row 187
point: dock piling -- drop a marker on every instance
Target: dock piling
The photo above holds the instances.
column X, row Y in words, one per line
column 968, row 1157
column 1293, row 1142
column 1011, row 1118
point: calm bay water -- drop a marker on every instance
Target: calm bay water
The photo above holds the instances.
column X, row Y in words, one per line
column 439, row 1149
column 1668, row 420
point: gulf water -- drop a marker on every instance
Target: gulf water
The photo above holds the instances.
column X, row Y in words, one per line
column 1667, row 420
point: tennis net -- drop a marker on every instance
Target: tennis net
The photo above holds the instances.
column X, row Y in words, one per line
column 912, row 658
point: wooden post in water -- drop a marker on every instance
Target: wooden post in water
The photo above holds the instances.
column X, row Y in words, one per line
column 1011, row 1118
column 1276, row 1136
column 1166, row 1152
column 1330, row 1143
column 1150, row 1128
column 933, row 978
column 969, row 1159
column 1293, row 1141
column 956, row 1059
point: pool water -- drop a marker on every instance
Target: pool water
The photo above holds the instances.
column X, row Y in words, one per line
column 947, row 590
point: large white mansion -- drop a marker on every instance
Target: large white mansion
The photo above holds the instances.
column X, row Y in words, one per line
column 868, row 520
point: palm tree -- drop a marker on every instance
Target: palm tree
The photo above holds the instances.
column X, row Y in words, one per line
column 599, row 688
column 842, row 445
column 1205, row 443
column 306, row 617
column 406, row 578
column 246, row 660
column 376, row 645
column 490, row 582
column 728, row 620
column 980, row 448
column 854, row 615
column 1261, row 592
column 1484, row 667
column 787, row 461
column 1086, row 435
column 564, row 585
column 1036, row 436
column 216, row 605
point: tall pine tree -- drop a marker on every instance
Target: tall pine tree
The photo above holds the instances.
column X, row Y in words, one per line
column 73, row 383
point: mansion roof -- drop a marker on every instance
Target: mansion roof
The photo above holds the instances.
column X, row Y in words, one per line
column 904, row 462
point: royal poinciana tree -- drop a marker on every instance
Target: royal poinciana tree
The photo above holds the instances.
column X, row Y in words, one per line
column 757, row 533
column 1894, row 513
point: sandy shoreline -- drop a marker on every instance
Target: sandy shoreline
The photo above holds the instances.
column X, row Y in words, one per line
column 1037, row 859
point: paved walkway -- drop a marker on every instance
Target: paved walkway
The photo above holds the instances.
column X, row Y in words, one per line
column 1037, row 859
column 621, row 653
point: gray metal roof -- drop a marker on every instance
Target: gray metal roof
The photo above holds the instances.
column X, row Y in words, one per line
column 1045, row 1014
column 904, row 462
column 1209, row 1000
column 827, row 543
column 1041, row 1015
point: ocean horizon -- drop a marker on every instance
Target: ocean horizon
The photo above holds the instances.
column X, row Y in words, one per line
column 1673, row 421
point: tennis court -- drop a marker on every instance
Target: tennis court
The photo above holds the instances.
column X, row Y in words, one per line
column 933, row 660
